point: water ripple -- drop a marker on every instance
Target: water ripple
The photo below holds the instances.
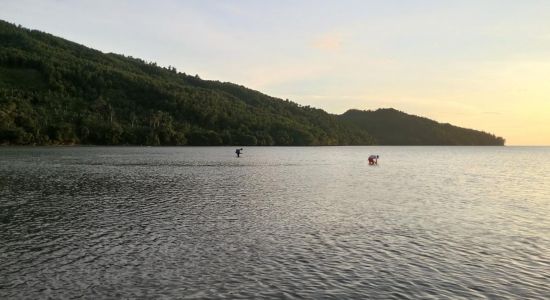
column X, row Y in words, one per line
column 277, row 223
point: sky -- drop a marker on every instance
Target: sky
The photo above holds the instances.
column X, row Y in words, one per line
column 476, row 64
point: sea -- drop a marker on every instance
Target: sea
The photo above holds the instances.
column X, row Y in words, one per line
column 276, row 223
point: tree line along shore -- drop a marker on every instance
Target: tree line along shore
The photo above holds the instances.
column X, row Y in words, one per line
column 57, row 92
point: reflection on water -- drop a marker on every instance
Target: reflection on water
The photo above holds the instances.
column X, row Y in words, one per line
column 278, row 222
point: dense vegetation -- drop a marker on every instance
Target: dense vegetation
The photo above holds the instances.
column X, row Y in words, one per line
column 53, row 91
column 392, row 127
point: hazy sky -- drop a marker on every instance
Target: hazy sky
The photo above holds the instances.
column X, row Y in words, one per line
column 482, row 64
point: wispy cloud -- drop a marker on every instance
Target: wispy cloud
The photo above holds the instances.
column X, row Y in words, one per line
column 329, row 41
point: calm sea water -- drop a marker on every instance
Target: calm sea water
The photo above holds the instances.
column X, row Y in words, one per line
column 314, row 222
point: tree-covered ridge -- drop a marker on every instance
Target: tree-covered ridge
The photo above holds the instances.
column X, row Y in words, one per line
column 393, row 127
column 53, row 91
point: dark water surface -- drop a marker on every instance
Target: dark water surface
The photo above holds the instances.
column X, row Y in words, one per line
column 428, row 222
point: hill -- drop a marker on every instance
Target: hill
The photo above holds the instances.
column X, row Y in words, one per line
column 54, row 91
column 393, row 127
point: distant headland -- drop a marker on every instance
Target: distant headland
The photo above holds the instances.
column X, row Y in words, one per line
column 57, row 92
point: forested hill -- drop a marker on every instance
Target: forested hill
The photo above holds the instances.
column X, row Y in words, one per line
column 53, row 91
column 393, row 127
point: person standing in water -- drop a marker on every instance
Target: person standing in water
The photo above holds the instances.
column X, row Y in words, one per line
column 373, row 160
column 238, row 152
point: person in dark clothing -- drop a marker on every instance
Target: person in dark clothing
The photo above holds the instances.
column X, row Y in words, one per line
column 373, row 160
column 238, row 151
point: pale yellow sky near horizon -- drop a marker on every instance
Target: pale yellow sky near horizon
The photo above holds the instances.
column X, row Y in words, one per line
column 510, row 99
column 477, row 64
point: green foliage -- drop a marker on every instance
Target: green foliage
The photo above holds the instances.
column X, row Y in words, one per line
column 53, row 91
column 392, row 127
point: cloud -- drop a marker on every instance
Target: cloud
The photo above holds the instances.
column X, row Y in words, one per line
column 328, row 42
